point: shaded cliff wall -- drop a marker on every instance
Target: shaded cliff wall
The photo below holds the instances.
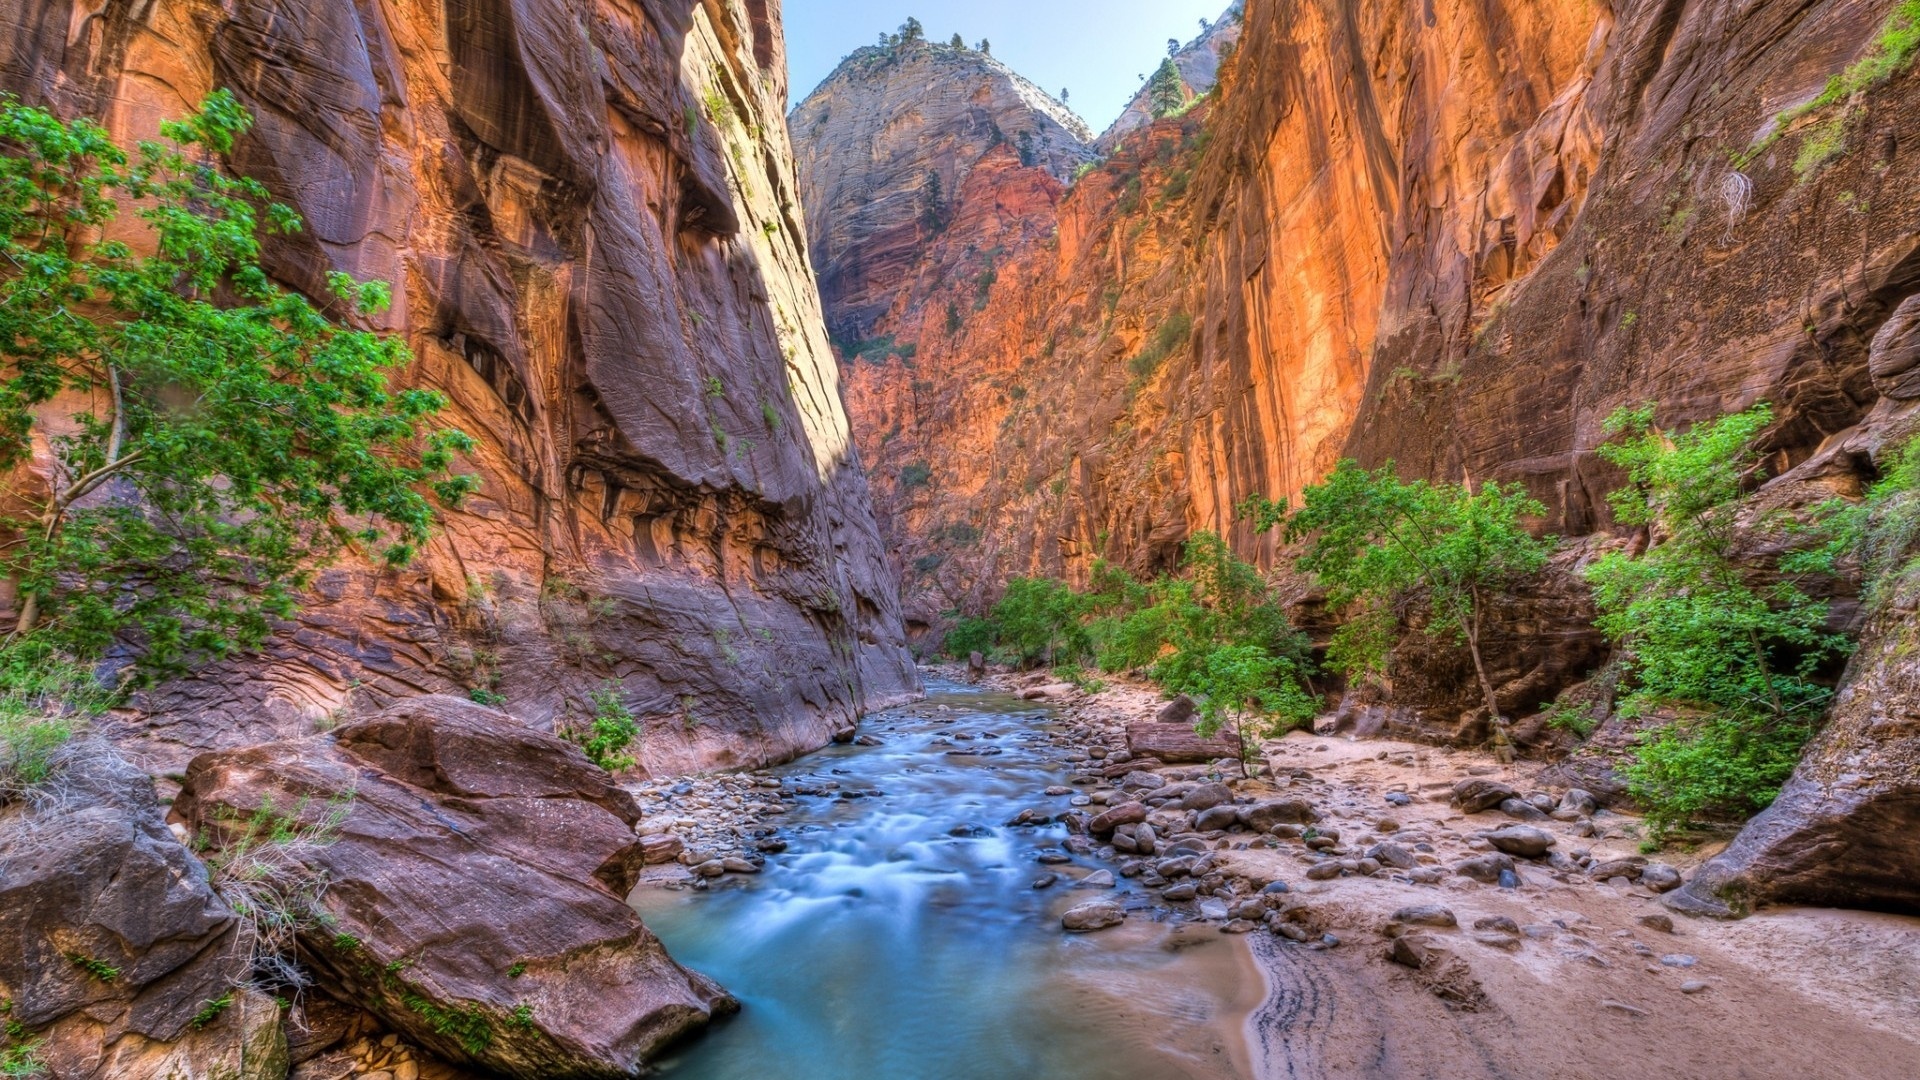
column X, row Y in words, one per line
column 589, row 217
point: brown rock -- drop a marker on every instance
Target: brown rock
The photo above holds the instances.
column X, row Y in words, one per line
column 1127, row 813
column 1262, row 817
column 1177, row 743
column 458, row 865
column 1477, row 793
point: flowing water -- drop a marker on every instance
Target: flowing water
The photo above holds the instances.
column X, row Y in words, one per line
column 900, row 937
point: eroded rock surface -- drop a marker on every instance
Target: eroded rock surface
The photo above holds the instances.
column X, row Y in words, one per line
column 476, row 887
column 589, row 217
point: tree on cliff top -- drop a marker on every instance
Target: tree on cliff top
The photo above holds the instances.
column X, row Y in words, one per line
column 1381, row 545
column 1166, row 94
column 227, row 436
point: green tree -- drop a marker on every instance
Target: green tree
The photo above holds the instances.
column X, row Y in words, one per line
column 231, row 436
column 1239, row 685
column 1380, row 545
column 1728, row 645
column 911, row 31
column 1166, row 94
column 957, row 42
column 1040, row 619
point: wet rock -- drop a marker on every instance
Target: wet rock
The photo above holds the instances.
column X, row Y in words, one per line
column 736, row 865
column 1099, row 879
column 1524, row 841
column 661, row 848
column 1239, row 926
column 1093, row 915
column 1180, row 892
column 1046, row 881
column 1477, row 793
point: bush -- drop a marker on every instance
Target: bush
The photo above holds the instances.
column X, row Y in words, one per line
column 971, row 634
column 45, row 702
column 917, row 474
column 1701, row 633
column 610, row 731
column 1168, row 337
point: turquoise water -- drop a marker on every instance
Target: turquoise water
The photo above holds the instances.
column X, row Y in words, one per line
column 881, row 946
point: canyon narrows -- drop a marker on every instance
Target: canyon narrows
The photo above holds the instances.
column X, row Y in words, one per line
column 1399, row 557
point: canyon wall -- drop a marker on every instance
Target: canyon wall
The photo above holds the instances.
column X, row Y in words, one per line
column 1457, row 237
column 590, row 220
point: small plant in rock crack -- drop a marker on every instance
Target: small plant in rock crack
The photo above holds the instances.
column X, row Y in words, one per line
column 260, row 862
column 610, row 730
column 211, row 1010
column 99, row 969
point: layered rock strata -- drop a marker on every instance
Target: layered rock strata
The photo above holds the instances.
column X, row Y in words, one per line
column 589, row 217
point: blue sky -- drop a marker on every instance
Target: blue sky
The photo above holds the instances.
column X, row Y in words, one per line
column 1095, row 48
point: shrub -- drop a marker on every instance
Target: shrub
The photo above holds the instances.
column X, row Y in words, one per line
column 610, row 730
column 1700, row 636
column 1169, row 336
column 260, row 862
column 917, row 474
column 970, row 634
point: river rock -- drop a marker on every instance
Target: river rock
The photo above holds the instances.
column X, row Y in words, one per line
column 1128, row 813
column 661, row 848
column 1206, row 797
column 1093, row 915
column 1485, row 869
column 1522, row 810
column 1477, row 793
column 1216, row 819
column 1660, row 877
column 1524, row 841
column 1140, row 780
column 1180, row 711
column 469, row 843
column 1099, row 879
column 1426, row 915
column 1324, row 871
column 1179, row 744
column 1579, row 801
column 1180, row 892
column 1393, row 855
column 1262, row 817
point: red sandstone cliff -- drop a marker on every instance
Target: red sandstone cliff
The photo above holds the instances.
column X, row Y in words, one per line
column 590, row 219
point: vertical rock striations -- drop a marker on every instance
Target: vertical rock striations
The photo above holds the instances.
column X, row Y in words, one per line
column 590, row 219
column 1457, row 236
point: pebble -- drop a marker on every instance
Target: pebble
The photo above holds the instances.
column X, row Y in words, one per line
column 1694, row 986
column 1678, row 960
column 1623, row 1007
column 1099, row 879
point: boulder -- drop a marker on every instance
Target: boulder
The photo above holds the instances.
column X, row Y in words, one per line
column 1127, row 813
column 1261, row 817
column 113, row 940
column 1179, row 711
column 1426, row 915
column 1477, row 793
column 1093, row 915
column 477, row 874
column 1486, row 869
column 1216, row 819
column 1524, row 841
column 1179, row 743
column 1522, row 810
column 1206, row 797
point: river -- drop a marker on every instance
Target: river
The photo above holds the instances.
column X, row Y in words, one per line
column 900, row 935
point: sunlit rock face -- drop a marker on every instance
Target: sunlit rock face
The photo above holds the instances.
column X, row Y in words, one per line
column 590, row 219
column 886, row 145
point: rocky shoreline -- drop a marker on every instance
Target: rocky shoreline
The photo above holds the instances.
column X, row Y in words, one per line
column 1428, row 901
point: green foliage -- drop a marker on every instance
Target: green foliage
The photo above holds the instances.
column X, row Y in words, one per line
column 916, row 474
column 1701, row 635
column 954, row 319
column 1041, row 619
column 1080, row 677
column 1166, row 93
column 610, row 730
column 99, row 969
column 1878, row 533
column 346, row 943
column 211, row 1010
column 521, row 1016
column 927, row 564
column 1169, row 336
column 1894, row 48
column 482, row 695
column 1266, row 514
column 1235, row 683
column 466, row 1025
column 518, row 969
column 971, row 634
column 1382, row 545
column 235, row 435
column 45, row 701
column 769, row 415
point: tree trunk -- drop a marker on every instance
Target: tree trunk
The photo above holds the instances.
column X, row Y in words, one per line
column 1502, row 743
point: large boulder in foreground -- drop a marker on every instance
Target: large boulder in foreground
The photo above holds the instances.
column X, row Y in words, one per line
column 1177, row 743
column 114, row 946
column 476, row 887
column 1845, row 831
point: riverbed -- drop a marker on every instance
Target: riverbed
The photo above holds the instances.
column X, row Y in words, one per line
column 901, row 935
